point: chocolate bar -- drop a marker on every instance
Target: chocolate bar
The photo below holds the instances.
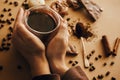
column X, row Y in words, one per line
column 92, row 8
column 106, row 46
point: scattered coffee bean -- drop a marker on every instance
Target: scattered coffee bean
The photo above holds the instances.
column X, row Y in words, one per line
column 3, row 40
column 2, row 15
column 92, row 68
column 113, row 78
column 105, row 64
column 4, row 10
column 12, row 19
column 93, row 51
column 68, row 19
column 25, row 5
column 10, row 29
column 99, row 56
column 9, row 9
column 15, row 3
column 107, row 73
column 10, row 14
column 1, row 67
column 8, row 22
column 6, row 1
column 93, row 78
column 88, row 57
column 96, row 58
column 70, row 61
column 73, row 64
column 100, row 76
column 10, row 3
column 112, row 63
column 76, row 62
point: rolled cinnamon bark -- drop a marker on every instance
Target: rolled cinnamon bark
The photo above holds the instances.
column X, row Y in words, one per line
column 106, row 46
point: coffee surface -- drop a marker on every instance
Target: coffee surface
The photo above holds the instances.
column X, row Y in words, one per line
column 41, row 22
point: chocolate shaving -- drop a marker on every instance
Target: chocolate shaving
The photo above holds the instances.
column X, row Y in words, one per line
column 106, row 46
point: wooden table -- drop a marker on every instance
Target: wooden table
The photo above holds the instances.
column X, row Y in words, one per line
column 16, row 68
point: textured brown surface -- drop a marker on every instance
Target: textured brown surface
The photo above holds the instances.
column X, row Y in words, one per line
column 108, row 24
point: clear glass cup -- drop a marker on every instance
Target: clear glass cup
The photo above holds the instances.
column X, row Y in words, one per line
column 44, row 36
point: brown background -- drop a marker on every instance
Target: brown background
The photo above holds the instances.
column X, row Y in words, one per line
column 108, row 24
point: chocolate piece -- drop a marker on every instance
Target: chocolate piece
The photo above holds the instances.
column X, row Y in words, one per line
column 106, row 46
column 25, row 5
column 60, row 7
column 94, row 78
column 92, row 8
column 9, row 9
column 73, row 64
column 92, row 68
column 70, row 61
column 96, row 58
column 115, row 48
column 76, row 62
column 6, row 1
column 112, row 63
column 4, row 10
column 105, row 64
column 10, row 14
column 2, row 15
column 100, row 76
column 99, row 56
column 10, row 3
column 8, row 22
column 10, row 29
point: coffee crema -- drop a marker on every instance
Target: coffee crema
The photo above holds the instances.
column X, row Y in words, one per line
column 41, row 21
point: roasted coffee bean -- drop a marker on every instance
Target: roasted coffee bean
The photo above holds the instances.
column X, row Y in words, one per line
column 73, row 64
column 105, row 64
column 10, row 29
column 2, row 15
column 10, row 14
column 10, row 3
column 100, row 76
column 15, row 3
column 93, row 78
column 99, row 56
column 4, row 10
column 6, row 1
column 12, row 19
column 112, row 63
column 107, row 73
column 70, row 61
column 96, row 58
column 9, row 9
column 8, row 22
column 113, row 78
column 93, row 51
column 76, row 62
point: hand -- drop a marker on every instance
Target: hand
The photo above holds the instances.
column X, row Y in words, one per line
column 56, row 50
column 30, row 46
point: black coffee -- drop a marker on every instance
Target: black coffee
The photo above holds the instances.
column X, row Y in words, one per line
column 41, row 22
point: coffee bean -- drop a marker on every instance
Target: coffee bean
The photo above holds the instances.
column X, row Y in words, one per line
column 2, row 15
column 10, row 3
column 12, row 19
column 93, row 78
column 9, row 9
column 104, row 64
column 113, row 78
column 4, row 10
column 10, row 29
column 112, row 63
column 107, row 73
column 70, row 61
column 6, row 1
column 10, row 14
column 15, row 3
column 96, row 58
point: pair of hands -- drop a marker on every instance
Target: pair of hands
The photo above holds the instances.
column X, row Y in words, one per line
column 31, row 47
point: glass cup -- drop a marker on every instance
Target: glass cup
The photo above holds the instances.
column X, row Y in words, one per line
column 43, row 35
